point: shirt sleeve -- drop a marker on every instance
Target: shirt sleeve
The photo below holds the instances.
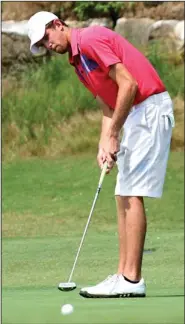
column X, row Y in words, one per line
column 100, row 47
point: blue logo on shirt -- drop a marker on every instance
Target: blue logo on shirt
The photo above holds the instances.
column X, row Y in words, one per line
column 88, row 64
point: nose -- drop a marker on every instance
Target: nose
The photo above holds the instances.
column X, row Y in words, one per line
column 47, row 45
column 50, row 46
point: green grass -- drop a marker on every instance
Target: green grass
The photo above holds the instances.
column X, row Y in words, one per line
column 47, row 96
column 53, row 92
column 169, row 66
column 45, row 207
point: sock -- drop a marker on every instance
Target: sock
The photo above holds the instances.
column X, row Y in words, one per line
column 131, row 281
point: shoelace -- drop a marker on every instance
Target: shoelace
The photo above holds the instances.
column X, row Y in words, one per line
column 114, row 277
column 116, row 282
column 106, row 279
column 110, row 279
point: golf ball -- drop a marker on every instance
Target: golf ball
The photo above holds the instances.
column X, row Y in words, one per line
column 67, row 309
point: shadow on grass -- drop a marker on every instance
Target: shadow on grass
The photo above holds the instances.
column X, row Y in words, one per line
column 148, row 251
column 167, row 295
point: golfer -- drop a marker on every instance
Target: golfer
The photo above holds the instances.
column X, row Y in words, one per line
column 133, row 99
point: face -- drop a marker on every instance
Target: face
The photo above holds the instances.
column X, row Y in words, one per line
column 55, row 38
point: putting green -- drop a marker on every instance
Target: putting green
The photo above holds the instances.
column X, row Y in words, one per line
column 44, row 214
column 42, row 305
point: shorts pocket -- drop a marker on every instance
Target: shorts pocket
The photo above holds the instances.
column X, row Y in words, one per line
column 137, row 118
column 150, row 116
column 169, row 120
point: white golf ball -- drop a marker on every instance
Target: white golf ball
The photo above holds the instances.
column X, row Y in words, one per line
column 67, row 309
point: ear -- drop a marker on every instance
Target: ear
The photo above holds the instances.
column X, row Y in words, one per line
column 57, row 23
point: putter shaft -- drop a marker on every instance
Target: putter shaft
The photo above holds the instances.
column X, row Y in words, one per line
column 89, row 218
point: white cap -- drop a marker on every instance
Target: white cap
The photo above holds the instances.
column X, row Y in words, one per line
column 36, row 27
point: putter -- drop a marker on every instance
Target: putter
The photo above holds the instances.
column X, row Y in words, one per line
column 67, row 286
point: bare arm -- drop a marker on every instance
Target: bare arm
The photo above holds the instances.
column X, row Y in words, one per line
column 105, row 126
column 113, row 120
column 106, row 121
column 127, row 88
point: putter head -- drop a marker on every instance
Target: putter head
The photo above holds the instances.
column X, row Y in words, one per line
column 66, row 286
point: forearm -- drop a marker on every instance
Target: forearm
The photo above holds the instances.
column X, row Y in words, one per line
column 105, row 127
column 106, row 120
column 124, row 102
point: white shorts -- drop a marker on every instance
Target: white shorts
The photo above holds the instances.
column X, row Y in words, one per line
column 144, row 148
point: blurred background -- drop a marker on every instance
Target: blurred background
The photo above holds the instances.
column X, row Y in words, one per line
column 42, row 100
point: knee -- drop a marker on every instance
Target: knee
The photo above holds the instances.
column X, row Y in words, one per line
column 128, row 201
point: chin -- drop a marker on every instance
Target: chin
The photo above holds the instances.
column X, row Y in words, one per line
column 60, row 50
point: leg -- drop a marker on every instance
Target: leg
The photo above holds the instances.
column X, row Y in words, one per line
column 131, row 232
column 121, row 214
column 131, row 224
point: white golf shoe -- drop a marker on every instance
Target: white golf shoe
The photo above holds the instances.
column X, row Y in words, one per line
column 103, row 286
column 114, row 287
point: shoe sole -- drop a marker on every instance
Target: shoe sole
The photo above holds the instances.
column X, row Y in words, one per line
column 128, row 295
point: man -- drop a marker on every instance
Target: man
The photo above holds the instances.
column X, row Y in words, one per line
column 132, row 97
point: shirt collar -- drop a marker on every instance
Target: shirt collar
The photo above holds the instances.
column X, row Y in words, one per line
column 75, row 39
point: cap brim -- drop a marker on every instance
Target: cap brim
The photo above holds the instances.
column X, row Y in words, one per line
column 36, row 37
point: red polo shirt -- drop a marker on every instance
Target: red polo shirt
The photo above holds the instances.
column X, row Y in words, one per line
column 95, row 49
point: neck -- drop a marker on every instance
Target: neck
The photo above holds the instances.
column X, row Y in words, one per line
column 68, row 34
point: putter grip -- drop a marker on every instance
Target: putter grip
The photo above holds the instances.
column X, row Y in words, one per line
column 102, row 174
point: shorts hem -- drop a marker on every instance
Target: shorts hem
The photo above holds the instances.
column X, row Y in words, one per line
column 139, row 194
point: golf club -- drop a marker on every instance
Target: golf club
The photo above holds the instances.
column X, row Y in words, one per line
column 67, row 286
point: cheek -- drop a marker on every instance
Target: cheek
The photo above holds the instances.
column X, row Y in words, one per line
column 62, row 40
column 53, row 37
